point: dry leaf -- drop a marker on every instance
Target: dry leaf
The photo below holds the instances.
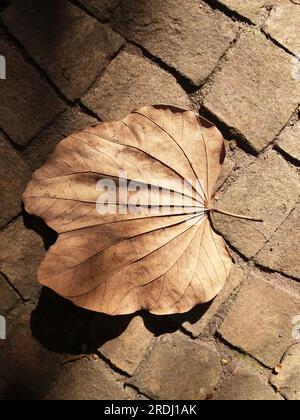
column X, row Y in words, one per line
column 164, row 261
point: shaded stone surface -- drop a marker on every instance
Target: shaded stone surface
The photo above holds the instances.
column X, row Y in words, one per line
column 246, row 384
column 178, row 368
column 188, row 36
column 88, row 380
column 196, row 328
column 281, row 253
column 255, row 92
column 21, row 251
column 14, row 175
column 8, row 297
column 72, row 47
column 29, row 103
column 287, row 382
column 102, row 9
column 289, row 141
column 69, row 122
column 128, row 350
column 260, row 321
column 129, row 83
column 283, row 25
column 268, row 189
column 27, row 366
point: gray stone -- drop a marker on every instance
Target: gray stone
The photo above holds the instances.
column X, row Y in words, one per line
column 255, row 91
column 129, row 83
column 88, row 380
column 102, row 9
column 21, row 251
column 196, row 328
column 128, row 349
column 71, row 46
column 268, row 189
column 69, row 122
column 188, row 36
column 287, row 381
column 8, row 297
column 178, row 368
column 29, row 104
column 260, row 321
column 281, row 253
column 27, row 366
column 283, row 25
column 246, row 384
column 14, row 175
column 289, row 141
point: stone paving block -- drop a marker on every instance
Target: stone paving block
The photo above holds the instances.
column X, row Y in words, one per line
column 268, row 189
column 281, row 253
column 287, row 382
column 102, row 9
column 246, row 384
column 289, row 141
column 14, row 175
column 187, row 35
column 260, row 321
column 27, row 366
column 178, row 368
column 254, row 10
column 8, row 297
column 69, row 122
column 196, row 328
column 88, row 380
column 129, row 83
column 283, row 25
column 255, row 92
column 21, row 251
column 28, row 102
column 128, row 350
column 72, row 47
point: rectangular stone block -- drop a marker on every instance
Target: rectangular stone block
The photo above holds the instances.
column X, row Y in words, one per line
column 255, row 92
column 283, row 25
column 130, row 82
column 187, row 35
column 267, row 189
column 28, row 103
column 260, row 321
column 71, row 46
column 282, row 252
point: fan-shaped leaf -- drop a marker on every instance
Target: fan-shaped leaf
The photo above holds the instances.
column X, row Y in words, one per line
column 163, row 256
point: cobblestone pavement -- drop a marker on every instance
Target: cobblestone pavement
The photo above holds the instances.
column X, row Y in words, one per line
column 73, row 63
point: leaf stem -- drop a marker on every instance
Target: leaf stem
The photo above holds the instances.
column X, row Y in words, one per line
column 238, row 216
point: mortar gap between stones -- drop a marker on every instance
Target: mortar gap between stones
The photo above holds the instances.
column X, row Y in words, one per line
column 227, row 344
column 27, row 57
column 14, row 288
column 233, row 15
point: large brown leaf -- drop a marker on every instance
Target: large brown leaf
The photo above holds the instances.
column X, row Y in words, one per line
column 165, row 261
